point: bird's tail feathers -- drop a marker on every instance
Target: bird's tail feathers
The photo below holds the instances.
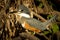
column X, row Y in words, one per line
column 53, row 19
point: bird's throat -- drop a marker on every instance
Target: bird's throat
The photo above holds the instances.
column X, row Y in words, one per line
column 24, row 15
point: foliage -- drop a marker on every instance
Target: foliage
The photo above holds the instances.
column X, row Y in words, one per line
column 55, row 28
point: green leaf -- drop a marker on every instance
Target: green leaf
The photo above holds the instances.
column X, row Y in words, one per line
column 40, row 5
column 46, row 32
column 49, row 16
column 55, row 27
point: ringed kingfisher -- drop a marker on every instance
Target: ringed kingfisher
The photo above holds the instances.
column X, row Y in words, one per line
column 29, row 23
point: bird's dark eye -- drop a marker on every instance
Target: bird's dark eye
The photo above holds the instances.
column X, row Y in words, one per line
column 20, row 10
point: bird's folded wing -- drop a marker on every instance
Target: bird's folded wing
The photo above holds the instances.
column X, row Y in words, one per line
column 36, row 23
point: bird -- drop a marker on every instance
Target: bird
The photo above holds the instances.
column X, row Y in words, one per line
column 32, row 24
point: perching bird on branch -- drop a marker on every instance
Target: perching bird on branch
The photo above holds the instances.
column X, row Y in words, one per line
column 31, row 23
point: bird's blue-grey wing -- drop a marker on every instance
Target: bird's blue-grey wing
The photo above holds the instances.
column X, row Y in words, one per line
column 36, row 23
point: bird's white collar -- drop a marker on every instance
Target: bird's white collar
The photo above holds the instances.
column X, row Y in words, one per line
column 24, row 15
